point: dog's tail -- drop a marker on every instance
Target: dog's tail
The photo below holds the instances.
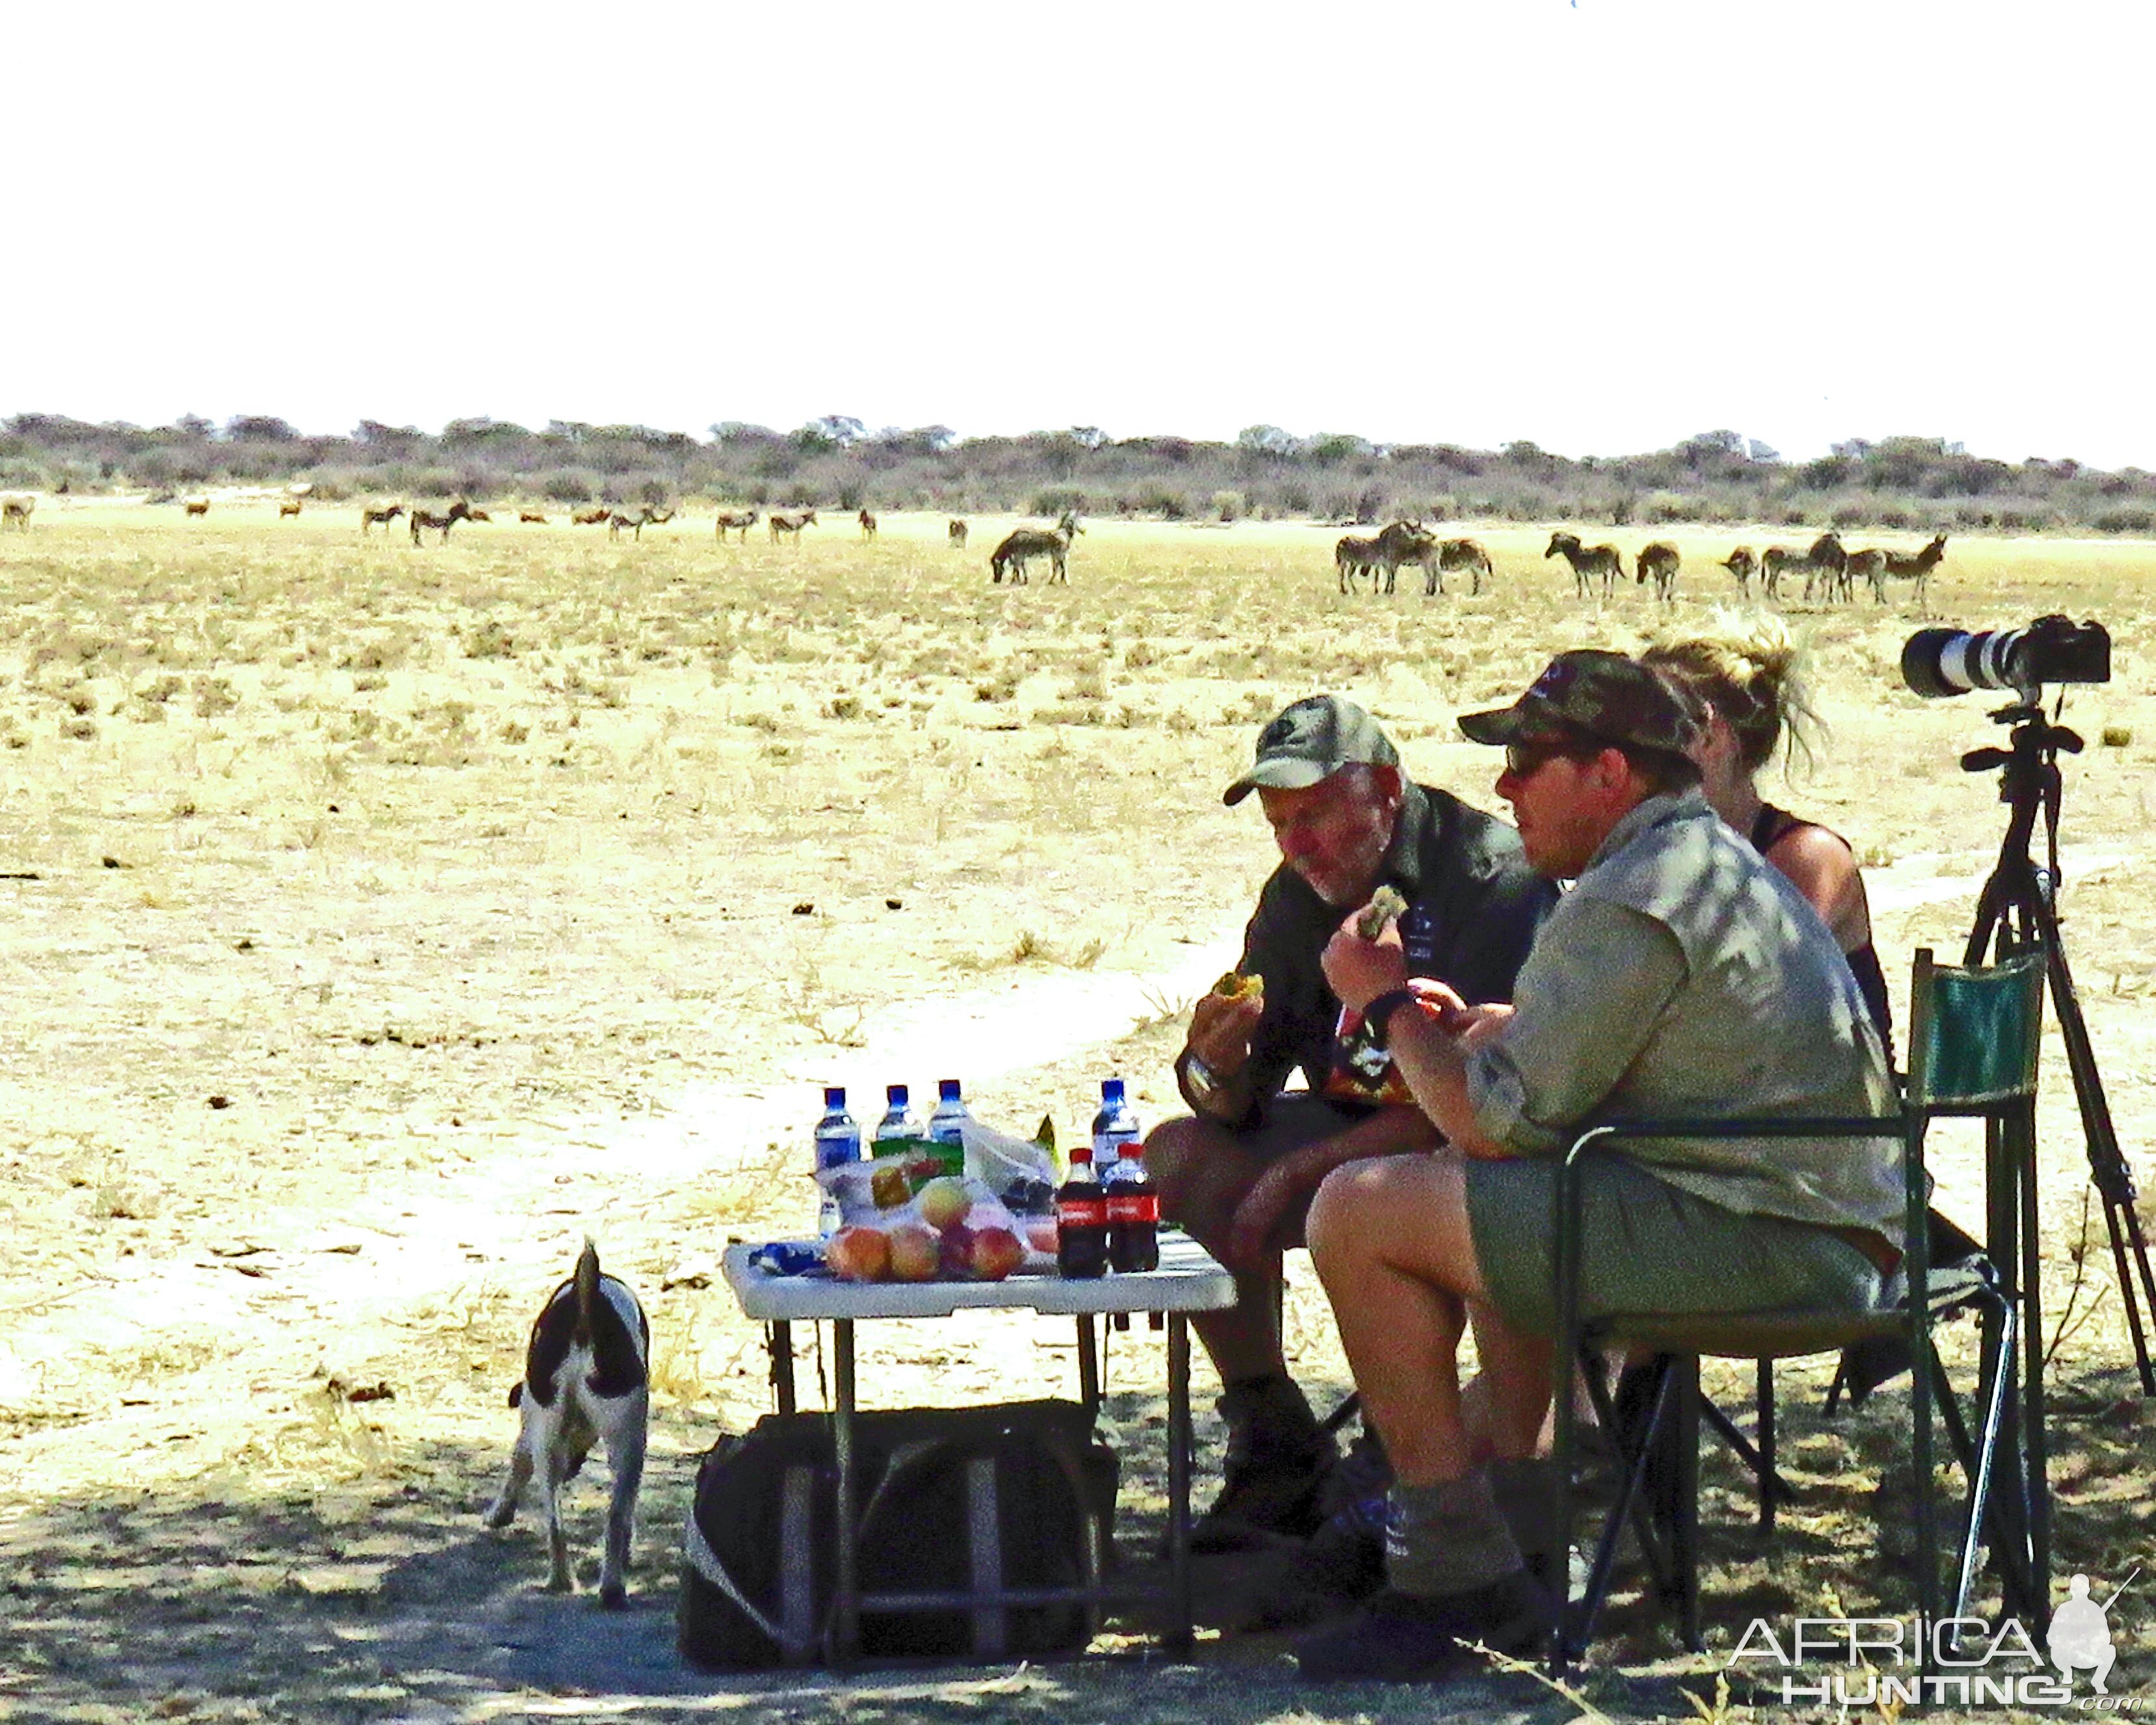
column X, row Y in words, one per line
column 587, row 1292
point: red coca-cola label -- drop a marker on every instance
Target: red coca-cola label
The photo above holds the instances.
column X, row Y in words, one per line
column 1088, row 1212
column 1127, row 1208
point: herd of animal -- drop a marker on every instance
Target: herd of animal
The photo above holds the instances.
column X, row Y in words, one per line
column 1831, row 570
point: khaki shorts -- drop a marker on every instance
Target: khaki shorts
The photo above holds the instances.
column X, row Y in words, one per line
column 1649, row 1246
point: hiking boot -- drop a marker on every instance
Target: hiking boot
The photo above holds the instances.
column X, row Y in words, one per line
column 1416, row 1638
column 1274, row 1473
column 1342, row 1564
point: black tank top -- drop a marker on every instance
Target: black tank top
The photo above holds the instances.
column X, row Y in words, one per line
column 1769, row 827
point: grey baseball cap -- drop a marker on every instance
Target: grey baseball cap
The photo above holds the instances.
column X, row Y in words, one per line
column 1309, row 742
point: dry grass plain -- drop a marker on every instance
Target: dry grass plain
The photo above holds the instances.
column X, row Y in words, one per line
column 378, row 919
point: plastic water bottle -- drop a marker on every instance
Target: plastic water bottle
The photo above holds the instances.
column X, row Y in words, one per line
column 945, row 1125
column 899, row 1119
column 1114, row 1126
column 838, row 1142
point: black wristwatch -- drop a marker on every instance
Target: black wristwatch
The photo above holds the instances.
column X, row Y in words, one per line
column 1377, row 1015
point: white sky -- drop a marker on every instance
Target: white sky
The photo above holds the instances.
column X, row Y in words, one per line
column 1602, row 227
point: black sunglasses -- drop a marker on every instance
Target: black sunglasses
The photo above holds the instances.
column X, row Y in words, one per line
column 1523, row 760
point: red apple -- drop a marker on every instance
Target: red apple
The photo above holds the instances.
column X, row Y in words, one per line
column 954, row 1258
column 996, row 1253
column 858, row 1254
column 913, row 1251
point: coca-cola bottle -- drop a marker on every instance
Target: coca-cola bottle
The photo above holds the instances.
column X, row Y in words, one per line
column 1082, row 1220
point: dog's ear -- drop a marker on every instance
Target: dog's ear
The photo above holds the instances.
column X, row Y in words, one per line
column 516, row 1393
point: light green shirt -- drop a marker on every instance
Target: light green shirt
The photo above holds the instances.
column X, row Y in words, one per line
column 1682, row 976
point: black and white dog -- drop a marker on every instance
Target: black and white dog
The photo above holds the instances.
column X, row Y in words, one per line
column 586, row 1376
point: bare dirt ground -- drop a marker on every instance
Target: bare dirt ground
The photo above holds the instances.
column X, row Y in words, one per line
column 379, row 921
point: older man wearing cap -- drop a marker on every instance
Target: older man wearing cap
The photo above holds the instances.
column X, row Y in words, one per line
column 1238, row 1172
column 1682, row 976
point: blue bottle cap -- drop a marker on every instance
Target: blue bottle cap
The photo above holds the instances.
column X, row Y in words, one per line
column 835, row 1095
column 947, row 1090
column 1111, row 1089
column 896, row 1095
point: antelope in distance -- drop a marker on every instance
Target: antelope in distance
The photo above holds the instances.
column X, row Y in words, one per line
column 1403, row 542
column 791, row 522
column 1587, row 561
column 196, row 506
column 15, row 512
column 530, row 515
column 1741, row 563
column 1918, row 568
column 1868, row 566
column 369, row 517
column 1661, row 562
column 423, row 519
column 955, row 531
column 1827, row 563
column 1021, row 544
column 1452, row 557
column 868, row 524
column 636, row 523
column 744, row 519
column 592, row 517
column 288, row 507
column 1826, row 555
column 1353, row 559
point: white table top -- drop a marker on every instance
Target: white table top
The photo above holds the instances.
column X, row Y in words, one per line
column 1188, row 1279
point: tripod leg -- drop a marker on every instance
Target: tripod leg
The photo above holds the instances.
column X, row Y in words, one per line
column 2107, row 1167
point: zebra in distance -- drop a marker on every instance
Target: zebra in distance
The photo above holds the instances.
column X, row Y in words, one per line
column 1353, row 559
column 1659, row 561
column 1021, row 544
column 1588, row 562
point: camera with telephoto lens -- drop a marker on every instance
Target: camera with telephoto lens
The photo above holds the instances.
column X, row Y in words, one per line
column 1940, row 662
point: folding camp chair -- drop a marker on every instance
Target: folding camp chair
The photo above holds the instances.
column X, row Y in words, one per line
column 1973, row 1052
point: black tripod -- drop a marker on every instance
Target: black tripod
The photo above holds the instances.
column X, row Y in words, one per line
column 2018, row 910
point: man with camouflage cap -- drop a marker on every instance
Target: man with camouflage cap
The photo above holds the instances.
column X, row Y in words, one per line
column 1680, row 977
column 1239, row 1169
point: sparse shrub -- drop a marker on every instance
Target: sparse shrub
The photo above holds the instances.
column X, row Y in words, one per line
column 568, row 485
column 1051, row 501
column 2118, row 737
column 843, row 707
column 1229, row 506
column 2127, row 519
column 489, row 640
column 214, row 697
column 1139, row 654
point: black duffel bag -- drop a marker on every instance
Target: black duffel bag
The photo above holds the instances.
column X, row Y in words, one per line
column 951, row 1499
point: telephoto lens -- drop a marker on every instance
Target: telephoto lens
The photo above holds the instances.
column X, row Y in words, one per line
column 1940, row 662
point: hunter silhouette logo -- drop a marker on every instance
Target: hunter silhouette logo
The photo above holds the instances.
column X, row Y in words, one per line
column 2079, row 1637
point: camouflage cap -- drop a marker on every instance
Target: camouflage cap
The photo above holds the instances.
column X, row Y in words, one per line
column 1606, row 694
column 1312, row 740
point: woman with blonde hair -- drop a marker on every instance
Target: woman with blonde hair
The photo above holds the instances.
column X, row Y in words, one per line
column 1747, row 675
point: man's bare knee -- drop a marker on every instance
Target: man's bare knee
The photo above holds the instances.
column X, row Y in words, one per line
column 1408, row 1211
column 1199, row 1171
